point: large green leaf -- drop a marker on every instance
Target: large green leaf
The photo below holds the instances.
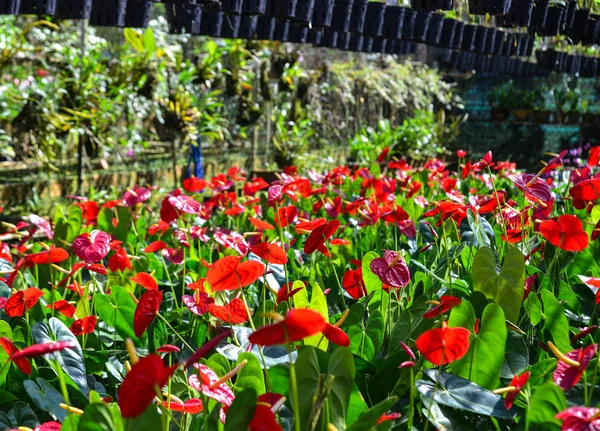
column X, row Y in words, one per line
column 506, row 287
column 458, row 393
column 24, row 416
column 252, row 372
column 71, row 359
column 546, row 402
column 555, row 321
column 318, row 303
column 372, row 282
column 150, row 420
column 307, row 375
column 117, row 310
column 368, row 420
column 516, row 356
column 341, row 367
column 96, row 417
column 483, row 361
column 242, row 410
column 45, row 397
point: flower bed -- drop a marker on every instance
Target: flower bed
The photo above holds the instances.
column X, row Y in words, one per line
column 365, row 299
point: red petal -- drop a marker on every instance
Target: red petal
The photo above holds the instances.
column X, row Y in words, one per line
column 168, row 348
column 10, row 349
column 87, row 325
column 264, row 420
column 336, row 335
column 155, row 246
column 145, row 280
column 234, row 312
column 297, row 325
column 146, row 311
column 43, row 349
column 192, row 407
column 444, row 345
column 54, row 255
column 63, row 307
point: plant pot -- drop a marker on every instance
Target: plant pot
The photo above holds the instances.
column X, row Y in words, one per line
column 343, row 41
column 108, row 13
column 356, row 42
column 522, row 42
column 138, row 13
column 183, row 18
column 553, row 21
column 248, row 25
column 541, row 117
column 342, row 12
column 37, row 7
column 508, row 45
column 282, row 31
column 571, row 118
column 304, row 11
column 379, row 45
column 73, row 9
column 573, row 63
column 254, row 7
column 588, row 118
column 232, row 7
column 490, row 41
column 447, row 34
column 591, row 31
column 468, row 39
column 431, row 5
column 390, row 46
column 551, row 60
column 314, row 37
column 579, row 27
column 392, row 22
column 520, row 114
column 568, row 17
column 408, row 24
column 519, row 14
column 530, row 45
column 330, row 38
column 538, row 14
column 421, row 25
column 492, row 7
column 480, row 38
column 283, row 9
column 434, row 30
column 374, row 19
column 589, row 67
column 358, row 16
column 322, row 13
column 498, row 114
column 498, row 42
column 231, row 26
column 10, row 7
column 458, row 35
column 367, row 45
column 297, row 34
column 212, row 23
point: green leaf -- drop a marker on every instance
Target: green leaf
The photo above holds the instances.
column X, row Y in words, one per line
column 71, row 359
column 368, row 420
column 341, row 366
column 307, row 376
column 96, row 417
column 134, row 39
column 356, row 407
column 105, row 217
column 458, row 393
column 556, row 322
column 516, row 356
column 372, row 282
column 45, row 397
column 117, row 310
column 546, row 402
column 484, row 360
column 150, row 420
column 375, row 329
column 318, row 303
column 24, row 416
column 242, row 410
column 252, row 370
column 506, row 287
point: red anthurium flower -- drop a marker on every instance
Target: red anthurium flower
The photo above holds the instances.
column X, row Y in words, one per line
column 204, row 381
column 285, row 216
column 444, row 345
column 198, row 303
column 136, row 195
column 206, row 348
column 251, row 187
column 566, row 232
column 139, row 387
column 229, row 273
column 43, row 349
column 155, row 246
column 284, row 293
column 119, row 261
column 10, row 349
column 568, row 371
column 309, row 226
column 84, row 326
column 536, row 189
column 445, row 304
column 63, row 307
column 48, row 426
column 389, row 417
column 585, row 191
column 92, row 247
column 145, row 280
column 194, row 184
column 260, row 224
column 53, row 255
column 233, row 313
column 297, row 325
column 22, row 301
column 146, row 311
column 580, row 419
column 272, row 253
column 584, row 331
column 192, row 407
column 391, row 269
column 336, row 335
column 168, row 348
column 518, row 382
column 317, row 238
column 76, row 287
column 353, row 283
column 159, row 228
column 264, row 419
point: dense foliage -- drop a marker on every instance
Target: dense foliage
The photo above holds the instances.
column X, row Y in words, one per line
column 380, row 297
